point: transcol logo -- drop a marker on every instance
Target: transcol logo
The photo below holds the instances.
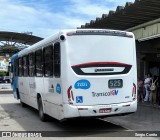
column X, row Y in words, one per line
column 110, row 93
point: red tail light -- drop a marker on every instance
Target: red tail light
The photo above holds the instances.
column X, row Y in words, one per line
column 70, row 95
column 134, row 91
column 69, row 92
column 70, row 34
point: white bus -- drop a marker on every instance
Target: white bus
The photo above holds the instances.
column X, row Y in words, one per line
column 78, row 73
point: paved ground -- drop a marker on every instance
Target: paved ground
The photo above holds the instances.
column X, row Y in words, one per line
column 147, row 118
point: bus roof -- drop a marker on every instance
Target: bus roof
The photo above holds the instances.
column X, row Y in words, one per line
column 54, row 37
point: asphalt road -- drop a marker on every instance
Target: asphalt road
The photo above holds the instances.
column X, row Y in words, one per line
column 13, row 117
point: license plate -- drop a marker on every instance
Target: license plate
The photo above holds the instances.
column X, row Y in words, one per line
column 115, row 83
column 104, row 110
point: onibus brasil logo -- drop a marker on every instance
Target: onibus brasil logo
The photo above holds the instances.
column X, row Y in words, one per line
column 110, row 93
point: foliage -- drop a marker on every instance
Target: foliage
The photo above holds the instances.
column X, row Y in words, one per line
column 2, row 73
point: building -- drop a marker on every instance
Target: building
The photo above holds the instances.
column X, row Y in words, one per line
column 12, row 42
column 143, row 19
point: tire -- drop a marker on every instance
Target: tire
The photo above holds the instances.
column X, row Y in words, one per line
column 22, row 103
column 18, row 95
column 42, row 116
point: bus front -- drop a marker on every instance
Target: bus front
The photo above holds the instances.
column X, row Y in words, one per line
column 101, row 73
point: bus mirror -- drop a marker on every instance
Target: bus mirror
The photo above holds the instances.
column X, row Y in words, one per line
column 9, row 68
column 11, row 75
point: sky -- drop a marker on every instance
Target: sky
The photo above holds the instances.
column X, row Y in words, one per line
column 46, row 17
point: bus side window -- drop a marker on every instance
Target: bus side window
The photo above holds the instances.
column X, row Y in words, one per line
column 39, row 63
column 16, row 67
column 20, row 70
column 25, row 65
column 31, row 64
column 48, row 61
column 57, row 60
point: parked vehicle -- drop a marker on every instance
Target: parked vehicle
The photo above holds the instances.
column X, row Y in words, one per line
column 1, row 79
column 6, row 79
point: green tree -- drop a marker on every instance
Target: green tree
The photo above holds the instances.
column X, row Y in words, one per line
column 2, row 73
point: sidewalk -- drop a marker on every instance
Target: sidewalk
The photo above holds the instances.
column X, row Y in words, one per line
column 5, row 88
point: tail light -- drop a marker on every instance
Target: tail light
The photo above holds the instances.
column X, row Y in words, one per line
column 134, row 91
column 69, row 92
column 70, row 95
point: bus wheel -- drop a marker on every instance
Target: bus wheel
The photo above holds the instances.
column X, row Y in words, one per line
column 18, row 95
column 41, row 112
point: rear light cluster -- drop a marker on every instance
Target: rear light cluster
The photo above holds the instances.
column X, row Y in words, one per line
column 70, row 33
column 134, row 91
column 129, row 35
column 70, row 95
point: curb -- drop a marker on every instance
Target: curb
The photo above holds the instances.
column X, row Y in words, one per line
column 5, row 92
column 6, row 89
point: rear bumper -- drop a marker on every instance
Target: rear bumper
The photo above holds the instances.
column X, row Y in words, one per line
column 71, row 111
